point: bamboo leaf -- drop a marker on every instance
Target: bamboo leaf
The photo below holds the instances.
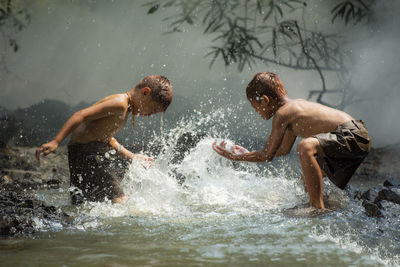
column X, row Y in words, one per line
column 189, row 20
column 259, row 6
column 153, row 9
column 274, row 47
column 349, row 13
column 207, row 15
column 210, row 24
column 337, row 7
column 287, row 4
column 217, row 27
column 216, row 53
column 279, row 10
column 269, row 12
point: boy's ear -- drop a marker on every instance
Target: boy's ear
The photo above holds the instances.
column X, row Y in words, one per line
column 266, row 99
column 146, row 90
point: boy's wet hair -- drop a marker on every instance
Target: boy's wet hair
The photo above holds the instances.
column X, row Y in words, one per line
column 265, row 83
column 161, row 89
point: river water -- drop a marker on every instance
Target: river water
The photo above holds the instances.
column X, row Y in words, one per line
column 224, row 214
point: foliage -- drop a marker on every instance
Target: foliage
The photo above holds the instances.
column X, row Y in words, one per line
column 13, row 18
column 270, row 31
column 245, row 32
column 352, row 10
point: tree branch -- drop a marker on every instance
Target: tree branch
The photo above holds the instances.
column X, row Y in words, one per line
column 297, row 67
column 319, row 99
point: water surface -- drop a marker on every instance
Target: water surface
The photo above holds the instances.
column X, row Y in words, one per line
column 223, row 214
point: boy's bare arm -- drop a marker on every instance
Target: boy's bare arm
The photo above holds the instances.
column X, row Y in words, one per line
column 125, row 152
column 112, row 106
column 120, row 149
column 274, row 141
column 287, row 143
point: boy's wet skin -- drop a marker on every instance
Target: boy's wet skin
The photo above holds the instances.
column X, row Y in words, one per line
column 304, row 118
column 92, row 133
column 294, row 118
column 102, row 128
column 116, row 109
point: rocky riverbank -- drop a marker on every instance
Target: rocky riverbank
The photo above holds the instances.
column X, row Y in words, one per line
column 21, row 213
column 377, row 181
column 379, row 177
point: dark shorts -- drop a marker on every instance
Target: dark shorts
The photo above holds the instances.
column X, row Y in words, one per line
column 345, row 148
column 95, row 172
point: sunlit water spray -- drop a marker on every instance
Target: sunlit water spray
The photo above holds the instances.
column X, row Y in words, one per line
column 211, row 184
column 162, row 123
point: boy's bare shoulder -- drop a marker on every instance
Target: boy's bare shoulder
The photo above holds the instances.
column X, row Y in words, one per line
column 302, row 107
column 291, row 108
column 115, row 100
column 306, row 118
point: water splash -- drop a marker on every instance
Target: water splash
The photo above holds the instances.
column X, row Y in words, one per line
column 207, row 195
column 211, row 183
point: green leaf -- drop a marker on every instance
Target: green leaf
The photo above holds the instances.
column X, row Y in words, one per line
column 271, row 7
column 259, row 6
column 349, row 13
column 153, row 9
column 338, row 10
column 210, row 24
column 274, row 47
column 216, row 53
column 279, row 10
column 189, row 20
column 217, row 27
column 337, row 7
column 287, row 4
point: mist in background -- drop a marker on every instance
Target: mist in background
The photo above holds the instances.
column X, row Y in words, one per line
column 83, row 51
column 377, row 73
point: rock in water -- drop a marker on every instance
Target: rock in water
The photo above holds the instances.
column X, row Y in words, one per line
column 21, row 215
column 388, row 195
column 372, row 209
column 390, row 183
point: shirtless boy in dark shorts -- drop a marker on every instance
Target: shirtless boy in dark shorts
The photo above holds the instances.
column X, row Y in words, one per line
column 334, row 143
column 92, row 174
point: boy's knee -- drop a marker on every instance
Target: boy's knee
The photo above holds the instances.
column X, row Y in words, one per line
column 120, row 199
column 307, row 146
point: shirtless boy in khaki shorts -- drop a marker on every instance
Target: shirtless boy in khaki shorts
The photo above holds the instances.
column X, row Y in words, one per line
column 334, row 143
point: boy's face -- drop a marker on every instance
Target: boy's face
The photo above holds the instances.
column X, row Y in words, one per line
column 262, row 107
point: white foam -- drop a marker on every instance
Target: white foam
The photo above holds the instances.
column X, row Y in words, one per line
column 212, row 184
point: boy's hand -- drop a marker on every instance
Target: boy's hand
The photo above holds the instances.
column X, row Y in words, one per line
column 46, row 149
column 233, row 151
column 236, row 149
column 147, row 160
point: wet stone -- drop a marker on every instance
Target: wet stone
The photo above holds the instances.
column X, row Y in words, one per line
column 20, row 171
column 391, row 183
column 388, row 195
column 372, row 209
column 371, row 194
column 19, row 213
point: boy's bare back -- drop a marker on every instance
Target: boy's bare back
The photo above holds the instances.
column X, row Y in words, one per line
column 304, row 118
column 334, row 144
